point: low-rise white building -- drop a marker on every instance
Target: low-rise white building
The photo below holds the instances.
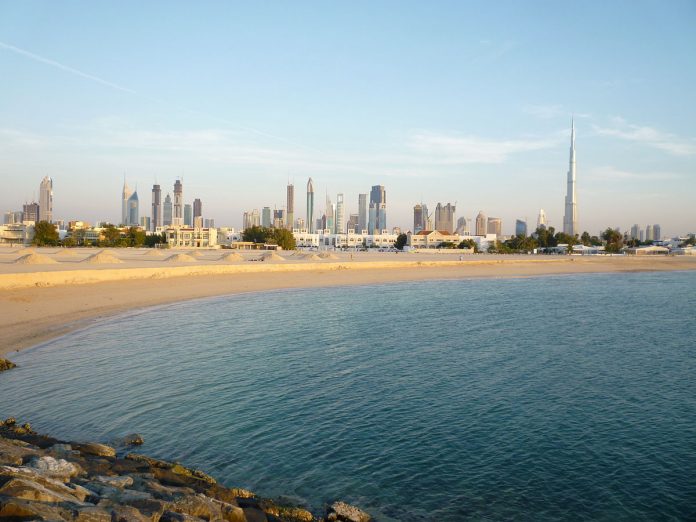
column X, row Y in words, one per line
column 189, row 237
column 17, row 233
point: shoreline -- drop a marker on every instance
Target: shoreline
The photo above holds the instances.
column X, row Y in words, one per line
column 37, row 306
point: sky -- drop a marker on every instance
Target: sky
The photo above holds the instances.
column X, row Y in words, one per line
column 464, row 102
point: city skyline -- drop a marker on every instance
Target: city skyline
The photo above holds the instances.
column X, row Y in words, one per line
column 472, row 127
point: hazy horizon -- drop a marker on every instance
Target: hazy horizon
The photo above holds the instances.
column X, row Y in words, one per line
column 441, row 102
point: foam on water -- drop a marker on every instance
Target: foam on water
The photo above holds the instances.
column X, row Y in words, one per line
column 535, row 399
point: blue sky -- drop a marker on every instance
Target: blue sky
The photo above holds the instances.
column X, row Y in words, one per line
column 438, row 101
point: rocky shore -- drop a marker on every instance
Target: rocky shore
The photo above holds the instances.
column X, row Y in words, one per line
column 43, row 478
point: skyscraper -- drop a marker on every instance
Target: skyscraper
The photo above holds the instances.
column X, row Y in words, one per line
column 329, row 216
column 570, row 220
column 178, row 216
column 541, row 220
column 444, row 217
column 418, row 218
column 266, row 217
column 649, row 233
column 156, row 207
column 481, row 224
column 188, row 215
column 31, row 211
column 463, row 227
column 362, row 212
column 167, row 211
column 635, row 231
column 340, row 215
column 495, row 226
column 372, row 219
column 197, row 209
column 657, row 232
column 46, row 200
column 133, row 210
column 290, row 207
column 520, row 227
column 125, row 194
column 310, row 206
column 353, row 223
column 378, row 197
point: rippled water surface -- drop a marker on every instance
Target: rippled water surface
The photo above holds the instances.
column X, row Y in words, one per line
column 529, row 399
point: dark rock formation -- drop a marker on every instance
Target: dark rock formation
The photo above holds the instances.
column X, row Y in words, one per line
column 6, row 365
column 42, row 478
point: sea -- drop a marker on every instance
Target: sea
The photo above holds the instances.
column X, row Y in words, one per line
column 542, row 398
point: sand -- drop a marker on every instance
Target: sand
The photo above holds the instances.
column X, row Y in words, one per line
column 180, row 258
column 38, row 302
column 35, row 259
column 231, row 257
column 103, row 258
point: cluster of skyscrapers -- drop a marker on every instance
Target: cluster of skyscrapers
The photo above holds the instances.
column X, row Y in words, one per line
column 170, row 212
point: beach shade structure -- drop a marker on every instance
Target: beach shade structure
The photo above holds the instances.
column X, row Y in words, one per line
column 180, row 258
column 35, row 259
column 231, row 257
column 328, row 255
column 102, row 258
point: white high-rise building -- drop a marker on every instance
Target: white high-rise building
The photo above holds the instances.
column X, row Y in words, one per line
column 46, row 200
column 570, row 219
column 340, row 215
column 178, row 216
column 125, row 195
column 541, row 220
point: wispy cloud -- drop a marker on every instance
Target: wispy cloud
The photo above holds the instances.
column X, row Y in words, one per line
column 648, row 136
column 451, row 149
column 91, row 77
column 64, row 67
column 551, row 111
column 607, row 173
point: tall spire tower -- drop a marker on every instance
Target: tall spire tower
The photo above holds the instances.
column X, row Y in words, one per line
column 570, row 220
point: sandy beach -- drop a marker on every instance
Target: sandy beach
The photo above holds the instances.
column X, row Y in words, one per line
column 64, row 291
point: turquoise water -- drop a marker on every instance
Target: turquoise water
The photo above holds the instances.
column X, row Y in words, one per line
column 530, row 399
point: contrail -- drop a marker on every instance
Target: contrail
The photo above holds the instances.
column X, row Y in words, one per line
column 77, row 72
column 52, row 63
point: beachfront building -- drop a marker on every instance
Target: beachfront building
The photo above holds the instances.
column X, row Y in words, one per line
column 16, row 233
column 190, row 237
column 651, row 250
column 431, row 238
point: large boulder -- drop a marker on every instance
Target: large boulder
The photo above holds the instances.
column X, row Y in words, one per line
column 55, row 468
column 19, row 509
column 13, row 452
column 95, row 449
column 342, row 512
column 30, row 490
column 6, row 365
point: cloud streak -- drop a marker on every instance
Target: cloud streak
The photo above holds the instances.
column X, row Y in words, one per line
column 649, row 136
column 65, row 68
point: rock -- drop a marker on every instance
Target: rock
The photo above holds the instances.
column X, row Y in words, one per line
column 127, row 514
column 62, row 451
column 56, row 468
column 198, row 506
column 289, row 514
column 28, row 490
column 132, row 439
column 154, row 463
column 162, row 492
column 150, row 508
column 343, row 512
column 9, row 422
column 96, row 449
column 90, row 514
column 117, row 482
column 171, row 516
column 13, row 452
column 6, row 365
column 20, row 509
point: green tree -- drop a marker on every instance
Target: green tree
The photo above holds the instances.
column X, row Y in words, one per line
column 155, row 239
column 614, row 240
column 135, row 237
column 401, row 241
column 69, row 241
column 45, row 234
column 283, row 238
column 112, row 236
column 255, row 234
column 468, row 243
